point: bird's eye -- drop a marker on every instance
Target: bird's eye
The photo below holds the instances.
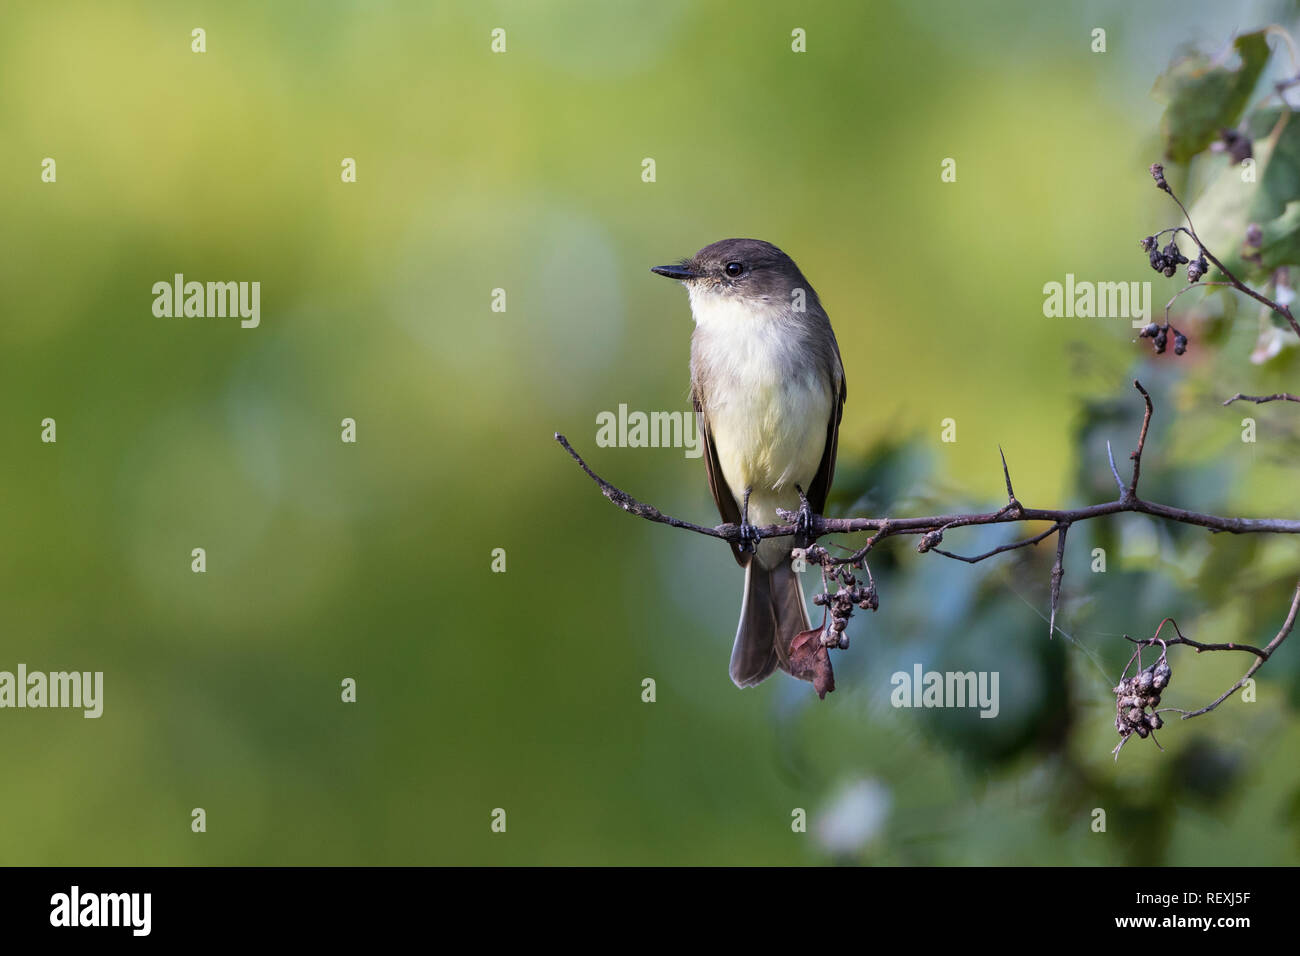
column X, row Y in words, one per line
column 734, row 269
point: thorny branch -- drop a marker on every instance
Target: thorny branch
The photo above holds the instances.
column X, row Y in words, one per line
column 931, row 528
column 1132, row 717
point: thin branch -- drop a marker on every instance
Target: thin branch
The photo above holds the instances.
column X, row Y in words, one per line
column 1282, row 310
column 640, row 508
column 1189, row 288
column 1181, row 639
column 976, row 559
column 1142, row 441
column 1261, row 399
column 1113, row 470
column 1263, row 656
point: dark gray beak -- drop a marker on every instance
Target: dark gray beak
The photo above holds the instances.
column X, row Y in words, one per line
column 678, row 272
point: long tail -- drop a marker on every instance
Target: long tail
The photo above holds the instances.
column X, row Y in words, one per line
column 772, row 614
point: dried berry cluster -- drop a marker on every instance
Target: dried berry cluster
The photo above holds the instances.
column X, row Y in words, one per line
column 1135, row 695
column 1161, row 335
column 851, row 593
column 1168, row 259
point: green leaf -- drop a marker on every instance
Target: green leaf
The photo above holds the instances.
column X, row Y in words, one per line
column 1279, row 178
column 1281, row 244
column 1228, row 205
column 1220, row 214
column 1203, row 97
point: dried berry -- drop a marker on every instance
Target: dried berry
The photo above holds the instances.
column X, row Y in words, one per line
column 930, row 540
column 1173, row 254
column 1137, row 697
column 1161, row 675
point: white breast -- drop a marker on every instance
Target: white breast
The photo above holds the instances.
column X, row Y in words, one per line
column 768, row 406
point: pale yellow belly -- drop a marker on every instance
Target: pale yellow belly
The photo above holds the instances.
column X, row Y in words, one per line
column 769, row 436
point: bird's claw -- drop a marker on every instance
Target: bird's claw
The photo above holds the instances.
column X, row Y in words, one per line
column 803, row 518
column 749, row 536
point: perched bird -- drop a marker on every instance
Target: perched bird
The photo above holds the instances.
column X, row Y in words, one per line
column 767, row 384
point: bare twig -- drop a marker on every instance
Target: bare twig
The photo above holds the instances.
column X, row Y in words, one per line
column 640, row 508
column 1136, row 455
column 1261, row 399
column 1113, row 470
column 976, row 559
column 1181, row 639
column 1260, row 657
column 1189, row 288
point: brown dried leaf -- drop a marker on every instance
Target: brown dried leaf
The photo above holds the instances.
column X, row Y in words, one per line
column 810, row 660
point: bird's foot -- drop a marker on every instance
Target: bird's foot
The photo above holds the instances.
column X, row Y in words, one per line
column 803, row 520
column 749, row 536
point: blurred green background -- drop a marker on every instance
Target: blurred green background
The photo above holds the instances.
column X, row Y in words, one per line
column 522, row 690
